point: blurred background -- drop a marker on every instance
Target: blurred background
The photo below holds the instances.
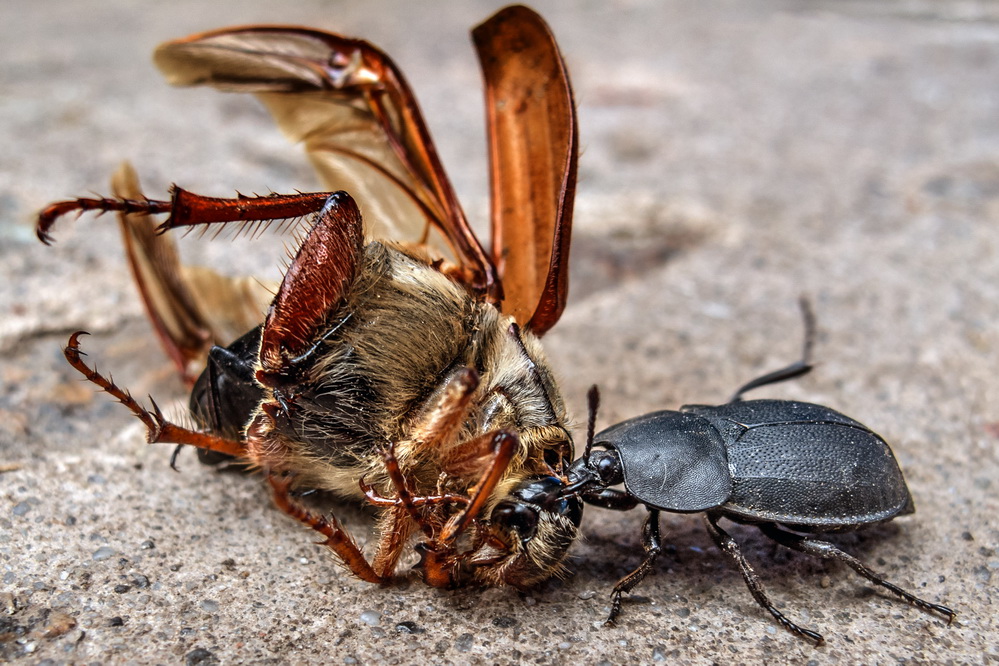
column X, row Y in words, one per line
column 735, row 156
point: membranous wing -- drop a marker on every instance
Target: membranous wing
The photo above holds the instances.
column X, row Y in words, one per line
column 356, row 116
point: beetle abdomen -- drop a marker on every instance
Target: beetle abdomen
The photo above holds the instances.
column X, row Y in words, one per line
column 807, row 465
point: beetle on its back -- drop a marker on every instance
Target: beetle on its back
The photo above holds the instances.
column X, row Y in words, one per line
column 790, row 468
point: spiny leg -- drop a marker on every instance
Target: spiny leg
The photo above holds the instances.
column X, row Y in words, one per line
column 437, row 429
column 158, row 429
column 405, row 499
column 652, row 541
column 401, row 514
column 102, row 205
column 728, row 545
column 187, row 209
column 337, row 538
column 504, row 443
column 395, row 527
column 440, row 425
column 828, row 551
column 440, row 560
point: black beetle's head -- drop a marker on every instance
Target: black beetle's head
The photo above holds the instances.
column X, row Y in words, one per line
column 598, row 469
column 528, row 534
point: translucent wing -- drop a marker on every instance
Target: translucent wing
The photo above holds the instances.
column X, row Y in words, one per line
column 349, row 105
column 190, row 307
column 533, row 149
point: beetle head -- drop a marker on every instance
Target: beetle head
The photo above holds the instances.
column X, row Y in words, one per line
column 527, row 535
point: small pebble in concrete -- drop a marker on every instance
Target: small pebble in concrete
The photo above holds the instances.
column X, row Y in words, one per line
column 371, row 618
column 200, row 657
column 407, row 627
column 103, row 553
column 464, row 643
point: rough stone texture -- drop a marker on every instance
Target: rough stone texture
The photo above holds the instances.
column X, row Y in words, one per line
column 736, row 155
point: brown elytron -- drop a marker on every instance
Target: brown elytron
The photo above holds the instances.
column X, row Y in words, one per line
column 398, row 362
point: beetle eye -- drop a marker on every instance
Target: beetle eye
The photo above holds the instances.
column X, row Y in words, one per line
column 607, row 466
column 519, row 517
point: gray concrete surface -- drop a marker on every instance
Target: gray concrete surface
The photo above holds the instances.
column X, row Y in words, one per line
column 735, row 156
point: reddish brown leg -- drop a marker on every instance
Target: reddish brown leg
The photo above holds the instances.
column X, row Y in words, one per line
column 337, row 538
column 313, row 286
column 448, row 415
column 405, row 500
column 188, row 209
column 54, row 211
column 158, row 429
column 504, row 444
column 428, row 512
column 403, row 512
column 410, row 503
column 395, row 527
column 440, row 561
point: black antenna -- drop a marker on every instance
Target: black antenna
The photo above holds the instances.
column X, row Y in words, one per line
column 592, row 403
column 802, row 367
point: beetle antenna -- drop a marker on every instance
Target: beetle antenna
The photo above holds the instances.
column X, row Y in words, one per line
column 808, row 316
column 797, row 369
column 581, row 476
column 592, row 403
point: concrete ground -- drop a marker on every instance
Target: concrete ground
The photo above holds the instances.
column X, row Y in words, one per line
column 735, row 156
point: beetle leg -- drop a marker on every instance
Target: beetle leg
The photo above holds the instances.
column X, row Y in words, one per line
column 313, row 286
column 158, row 429
column 398, row 520
column 730, row 547
column 395, row 527
column 376, row 498
column 54, row 211
column 188, row 209
column 652, row 541
column 828, row 551
column 504, row 444
column 439, row 562
column 441, row 423
column 337, row 538
column 609, row 498
column 405, row 498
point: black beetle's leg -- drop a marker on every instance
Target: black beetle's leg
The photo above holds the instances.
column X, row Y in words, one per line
column 802, row 367
column 653, row 545
column 828, row 551
column 609, row 498
column 728, row 545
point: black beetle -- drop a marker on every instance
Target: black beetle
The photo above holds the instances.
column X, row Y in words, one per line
column 777, row 464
